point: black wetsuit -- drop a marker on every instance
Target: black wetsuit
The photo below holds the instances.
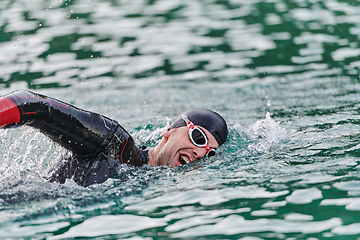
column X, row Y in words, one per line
column 97, row 145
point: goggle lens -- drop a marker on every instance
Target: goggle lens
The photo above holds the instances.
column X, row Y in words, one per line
column 198, row 137
column 211, row 153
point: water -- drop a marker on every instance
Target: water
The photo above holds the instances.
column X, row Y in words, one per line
column 283, row 73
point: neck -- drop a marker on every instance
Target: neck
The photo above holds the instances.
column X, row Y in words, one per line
column 154, row 152
column 151, row 156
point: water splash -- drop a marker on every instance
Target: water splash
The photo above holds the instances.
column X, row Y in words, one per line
column 266, row 134
column 260, row 137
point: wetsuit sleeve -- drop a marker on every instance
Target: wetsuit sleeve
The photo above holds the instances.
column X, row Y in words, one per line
column 84, row 133
column 97, row 144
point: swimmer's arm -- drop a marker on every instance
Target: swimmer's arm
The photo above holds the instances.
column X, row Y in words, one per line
column 80, row 131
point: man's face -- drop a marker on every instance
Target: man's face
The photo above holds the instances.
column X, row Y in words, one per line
column 179, row 150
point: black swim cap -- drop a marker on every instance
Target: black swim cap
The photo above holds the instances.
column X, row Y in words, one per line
column 207, row 119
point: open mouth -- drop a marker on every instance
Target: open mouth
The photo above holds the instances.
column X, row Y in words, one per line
column 183, row 160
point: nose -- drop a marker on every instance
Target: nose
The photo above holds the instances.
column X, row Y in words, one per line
column 199, row 152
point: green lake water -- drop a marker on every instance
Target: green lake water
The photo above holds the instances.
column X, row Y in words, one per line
column 283, row 73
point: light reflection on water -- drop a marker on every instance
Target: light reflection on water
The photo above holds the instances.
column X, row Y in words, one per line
column 292, row 173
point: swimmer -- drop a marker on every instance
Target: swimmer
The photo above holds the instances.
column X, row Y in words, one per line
column 97, row 145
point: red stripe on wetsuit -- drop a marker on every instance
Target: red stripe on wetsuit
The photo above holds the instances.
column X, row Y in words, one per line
column 127, row 139
column 9, row 112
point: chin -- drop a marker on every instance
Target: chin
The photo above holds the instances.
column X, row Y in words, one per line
column 172, row 162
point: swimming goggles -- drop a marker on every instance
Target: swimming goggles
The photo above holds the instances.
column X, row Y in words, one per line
column 198, row 137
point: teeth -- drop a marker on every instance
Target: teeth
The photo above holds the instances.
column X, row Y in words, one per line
column 185, row 159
